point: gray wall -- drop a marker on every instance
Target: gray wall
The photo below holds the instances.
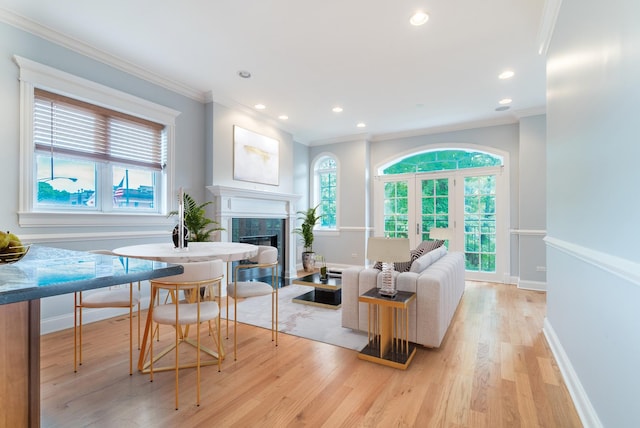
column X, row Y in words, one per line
column 532, row 202
column 593, row 310
column 347, row 246
column 223, row 119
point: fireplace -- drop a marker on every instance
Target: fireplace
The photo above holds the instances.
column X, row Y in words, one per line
column 261, row 231
column 259, row 217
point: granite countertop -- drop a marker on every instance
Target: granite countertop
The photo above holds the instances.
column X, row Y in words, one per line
column 47, row 271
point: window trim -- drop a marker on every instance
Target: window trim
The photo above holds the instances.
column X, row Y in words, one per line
column 35, row 75
column 315, row 190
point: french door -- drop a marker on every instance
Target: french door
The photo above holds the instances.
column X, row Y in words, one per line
column 466, row 202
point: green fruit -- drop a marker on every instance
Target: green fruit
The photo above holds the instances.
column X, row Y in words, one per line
column 4, row 240
column 14, row 250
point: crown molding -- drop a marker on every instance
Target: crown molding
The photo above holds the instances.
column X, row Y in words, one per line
column 342, row 139
column 84, row 49
column 547, row 24
column 507, row 120
column 534, row 111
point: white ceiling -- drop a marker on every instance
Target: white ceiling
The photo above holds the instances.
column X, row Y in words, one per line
column 307, row 56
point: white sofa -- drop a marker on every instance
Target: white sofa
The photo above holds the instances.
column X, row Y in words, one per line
column 437, row 278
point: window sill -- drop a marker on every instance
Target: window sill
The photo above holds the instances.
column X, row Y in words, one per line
column 92, row 219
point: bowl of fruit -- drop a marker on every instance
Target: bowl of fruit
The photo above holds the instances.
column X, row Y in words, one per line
column 11, row 248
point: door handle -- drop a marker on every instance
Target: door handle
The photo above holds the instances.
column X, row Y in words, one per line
column 417, row 228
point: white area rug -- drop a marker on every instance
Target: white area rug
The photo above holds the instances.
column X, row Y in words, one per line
column 311, row 322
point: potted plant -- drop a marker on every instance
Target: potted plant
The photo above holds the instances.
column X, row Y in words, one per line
column 309, row 219
column 196, row 221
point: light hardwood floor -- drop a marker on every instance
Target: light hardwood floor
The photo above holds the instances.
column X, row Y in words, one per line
column 494, row 369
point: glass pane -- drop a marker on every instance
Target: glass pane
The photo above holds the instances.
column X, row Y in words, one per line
column 133, row 188
column 442, row 187
column 402, row 189
column 65, row 183
column 328, row 198
column 480, row 223
column 472, row 262
column 435, row 205
column 327, row 163
column 389, row 190
column 442, row 160
column 442, row 205
column 488, row 263
column 427, row 187
column 428, row 206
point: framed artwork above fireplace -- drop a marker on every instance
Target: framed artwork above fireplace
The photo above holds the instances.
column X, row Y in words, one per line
column 255, row 157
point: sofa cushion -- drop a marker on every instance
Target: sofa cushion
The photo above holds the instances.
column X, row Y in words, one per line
column 428, row 259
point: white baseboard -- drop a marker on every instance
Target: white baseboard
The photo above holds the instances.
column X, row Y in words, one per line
column 513, row 280
column 532, row 285
column 587, row 413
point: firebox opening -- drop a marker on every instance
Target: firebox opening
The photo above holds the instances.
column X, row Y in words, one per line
column 261, row 231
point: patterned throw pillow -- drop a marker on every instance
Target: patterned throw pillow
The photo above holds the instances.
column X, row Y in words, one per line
column 430, row 245
column 404, row 266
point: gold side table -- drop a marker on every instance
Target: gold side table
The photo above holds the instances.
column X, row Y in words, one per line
column 388, row 329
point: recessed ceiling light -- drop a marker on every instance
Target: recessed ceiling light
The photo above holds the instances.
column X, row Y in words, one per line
column 244, row 74
column 507, row 74
column 361, row 125
column 260, row 106
column 283, row 117
column 337, row 109
column 419, row 18
column 505, row 101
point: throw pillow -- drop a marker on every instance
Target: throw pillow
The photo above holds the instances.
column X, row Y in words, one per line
column 404, row 266
column 430, row 244
column 428, row 259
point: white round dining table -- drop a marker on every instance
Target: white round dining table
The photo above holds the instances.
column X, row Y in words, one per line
column 194, row 252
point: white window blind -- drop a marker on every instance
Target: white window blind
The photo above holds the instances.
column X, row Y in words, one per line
column 68, row 126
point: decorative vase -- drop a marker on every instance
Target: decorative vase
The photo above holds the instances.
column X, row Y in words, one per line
column 308, row 261
column 323, row 267
column 176, row 237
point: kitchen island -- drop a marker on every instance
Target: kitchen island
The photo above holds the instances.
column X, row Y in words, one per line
column 45, row 272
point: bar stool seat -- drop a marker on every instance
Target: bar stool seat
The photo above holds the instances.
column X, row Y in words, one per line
column 112, row 298
column 267, row 258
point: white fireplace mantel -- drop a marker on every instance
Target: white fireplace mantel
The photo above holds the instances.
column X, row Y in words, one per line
column 233, row 202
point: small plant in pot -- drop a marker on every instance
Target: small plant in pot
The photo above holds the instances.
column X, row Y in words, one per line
column 196, row 222
column 309, row 219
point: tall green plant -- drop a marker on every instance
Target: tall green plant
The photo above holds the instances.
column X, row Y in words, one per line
column 309, row 219
column 196, row 221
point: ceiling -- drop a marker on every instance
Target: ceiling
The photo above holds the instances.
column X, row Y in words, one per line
column 306, row 57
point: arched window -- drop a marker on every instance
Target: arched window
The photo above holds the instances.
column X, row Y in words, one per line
column 442, row 160
column 325, row 190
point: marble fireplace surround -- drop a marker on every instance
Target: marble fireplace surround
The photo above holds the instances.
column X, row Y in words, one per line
column 233, row 202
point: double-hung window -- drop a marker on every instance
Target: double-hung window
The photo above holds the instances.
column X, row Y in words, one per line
column 93, row 158
column 90, row 150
